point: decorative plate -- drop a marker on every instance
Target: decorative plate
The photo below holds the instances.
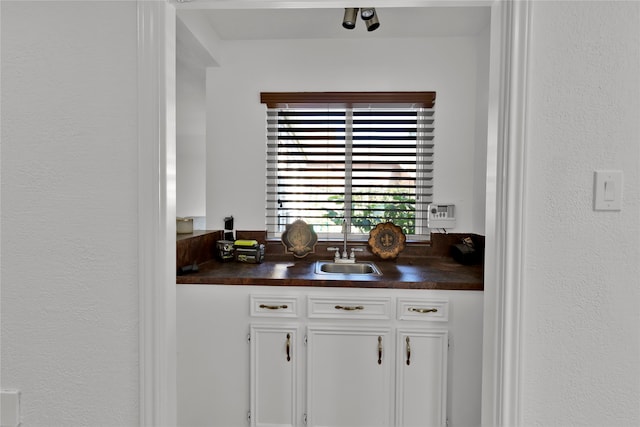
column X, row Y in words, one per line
column 387, row 240
column 299, row 239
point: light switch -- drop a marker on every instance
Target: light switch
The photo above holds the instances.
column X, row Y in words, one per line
column 607, row 190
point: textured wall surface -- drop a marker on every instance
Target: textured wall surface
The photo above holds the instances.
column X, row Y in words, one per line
column 69, row 288
column 69, row 211
column 581, row 336
column 191, row 106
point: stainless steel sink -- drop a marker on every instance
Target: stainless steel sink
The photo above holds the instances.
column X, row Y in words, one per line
column 360, row 268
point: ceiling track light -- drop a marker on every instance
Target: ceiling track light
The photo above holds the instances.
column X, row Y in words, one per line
column 372, row 23
column 350, row 16
column 368, row 15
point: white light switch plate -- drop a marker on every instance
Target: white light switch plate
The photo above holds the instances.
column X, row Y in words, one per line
column 607, row 190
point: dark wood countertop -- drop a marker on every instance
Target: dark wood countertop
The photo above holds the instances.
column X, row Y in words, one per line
column 419, row 273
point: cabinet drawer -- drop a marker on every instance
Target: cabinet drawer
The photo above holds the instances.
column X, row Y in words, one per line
column 273, row 306
column 349, row 308
column 428, row 310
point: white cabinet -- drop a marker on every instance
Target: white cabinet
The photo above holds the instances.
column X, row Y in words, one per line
column 274, row 375
column 421, row 377
column 349, row 379
column 349, row 376
column 225, row 379
column 359, row 366
column 349, row 307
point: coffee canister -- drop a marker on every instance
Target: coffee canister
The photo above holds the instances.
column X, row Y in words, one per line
column 225, row 250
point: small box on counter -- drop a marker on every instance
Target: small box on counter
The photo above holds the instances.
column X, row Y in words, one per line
column 249, row 251
column 466, row 252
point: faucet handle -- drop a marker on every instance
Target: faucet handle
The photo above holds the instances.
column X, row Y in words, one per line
column 353, row 252
column 337, row 254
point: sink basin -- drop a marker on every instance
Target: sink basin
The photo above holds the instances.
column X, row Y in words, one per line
column 330, row 267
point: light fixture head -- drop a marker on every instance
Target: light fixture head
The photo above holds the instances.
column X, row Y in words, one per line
column 367, row 13
column 372, row 23
column 350, row 16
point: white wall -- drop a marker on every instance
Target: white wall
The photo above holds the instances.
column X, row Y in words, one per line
column 236, row 119
column 191, row 105
column 69, row 238
column 581, row 330
column 479, row 190
column 69, row 211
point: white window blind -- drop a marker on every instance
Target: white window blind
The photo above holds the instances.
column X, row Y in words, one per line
column 355, row 165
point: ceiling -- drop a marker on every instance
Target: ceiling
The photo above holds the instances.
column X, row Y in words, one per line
column 261, row 24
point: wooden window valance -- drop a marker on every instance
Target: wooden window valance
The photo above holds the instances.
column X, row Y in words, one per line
column 348, row 99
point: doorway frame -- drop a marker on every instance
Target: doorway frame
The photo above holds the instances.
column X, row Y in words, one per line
column 505, row 210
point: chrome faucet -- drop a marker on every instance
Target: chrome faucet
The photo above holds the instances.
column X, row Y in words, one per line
column 345, row 231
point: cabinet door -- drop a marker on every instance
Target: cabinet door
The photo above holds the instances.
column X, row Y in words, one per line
column 273, row 375
column 349, row 376
column 421, row 378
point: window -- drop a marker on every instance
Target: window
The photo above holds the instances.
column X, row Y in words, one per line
column 353, row 158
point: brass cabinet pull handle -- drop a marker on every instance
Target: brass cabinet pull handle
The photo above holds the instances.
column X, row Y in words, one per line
column 379, row 350
column 288, row 347
column 423, row 310
column 274, row 307
column 349, row 307
column 408, row 351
